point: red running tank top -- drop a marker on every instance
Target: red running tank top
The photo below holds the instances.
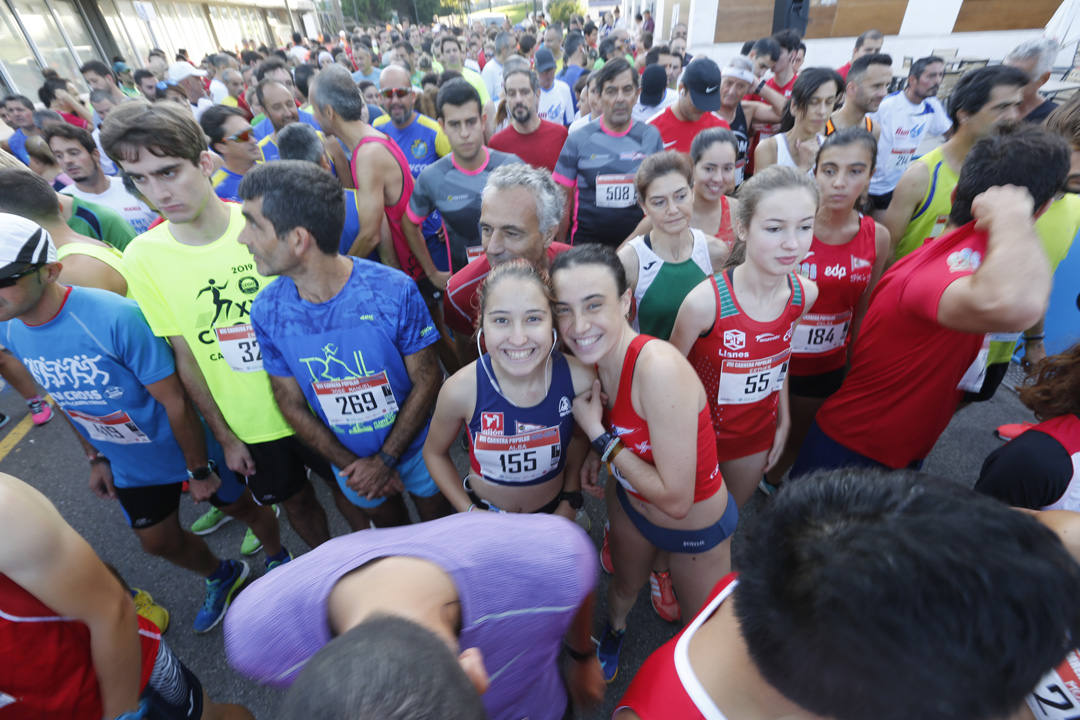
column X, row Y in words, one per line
column 409, row 264
column 743, row 363
column 842, row 274
column 46, row 671
column 634, row 431
column 666, row 688
column 725, row 232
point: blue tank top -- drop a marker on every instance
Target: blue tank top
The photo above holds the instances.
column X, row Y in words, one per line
column 511, row 445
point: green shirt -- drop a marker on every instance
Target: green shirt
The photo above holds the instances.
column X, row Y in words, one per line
column 101, row 223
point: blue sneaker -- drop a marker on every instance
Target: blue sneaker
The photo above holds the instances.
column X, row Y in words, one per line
column 276, row 563
column 219, row 593
column 608, row 652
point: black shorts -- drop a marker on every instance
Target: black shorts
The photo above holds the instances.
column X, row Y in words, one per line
column 279, row 469
column 173, row 692
column 821, row 385
column 880, row 202
column 147, row 506
column 995, row 373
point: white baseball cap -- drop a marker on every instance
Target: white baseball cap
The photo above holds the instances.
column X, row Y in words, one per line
column 23, row 243
column 180, row 70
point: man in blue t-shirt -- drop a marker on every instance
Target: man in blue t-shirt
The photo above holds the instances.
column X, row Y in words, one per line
column 347, row 338
column 19, row 114
column 117, row 383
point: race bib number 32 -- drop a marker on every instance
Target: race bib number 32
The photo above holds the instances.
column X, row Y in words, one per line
column 240, row 348
column 615, row 191
column 356, row 401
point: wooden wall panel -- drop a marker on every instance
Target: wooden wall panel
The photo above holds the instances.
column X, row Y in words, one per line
column 821, row 21
column 976, row 15
column 740, row 20
column 856, row 16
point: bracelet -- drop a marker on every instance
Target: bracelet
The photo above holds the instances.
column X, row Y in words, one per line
column 577, row 655
column 618, row 449
column 1034, row 338
column 611, row 450
column 600, row 442
column 99, row 458
column 760, row 87
column 472, row 506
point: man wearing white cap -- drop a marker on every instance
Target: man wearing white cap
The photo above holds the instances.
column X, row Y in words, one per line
column 187, row 77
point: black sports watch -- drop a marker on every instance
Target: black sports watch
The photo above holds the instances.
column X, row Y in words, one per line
column 203, row 472
column 389, row 460
column 575, row 498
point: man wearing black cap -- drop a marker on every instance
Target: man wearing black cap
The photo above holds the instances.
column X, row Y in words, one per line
column 699, row 97
column 655, row 96
column 556, row 98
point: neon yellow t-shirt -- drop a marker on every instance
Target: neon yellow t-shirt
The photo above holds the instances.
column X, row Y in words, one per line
column 204, row 294
column 932, row 214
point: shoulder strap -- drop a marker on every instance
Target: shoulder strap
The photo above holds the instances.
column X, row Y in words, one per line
column 724, row 295
column 626, row 380
column 869, row 123
column 796, row 289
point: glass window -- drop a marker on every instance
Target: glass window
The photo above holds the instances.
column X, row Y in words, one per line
column 77, row 31
column 45, row 34
column 160, row 31
column 17, row 58
column 131, row 55
column 136, row 27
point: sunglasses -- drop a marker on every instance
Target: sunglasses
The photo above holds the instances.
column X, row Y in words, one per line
column 6, row 282
column 242, row 136
column 398, row 93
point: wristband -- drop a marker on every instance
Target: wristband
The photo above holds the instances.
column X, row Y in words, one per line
column 600, row 443
column 760, row 87
column 99, row 458
column 615, row 451
column 1034, row 338
column 472, row 506
column 577, row 655
column 144, row 707
column 389, row 460
column 611, row 450
column 574, row 497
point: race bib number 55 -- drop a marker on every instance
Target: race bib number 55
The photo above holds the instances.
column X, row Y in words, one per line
column 743, row 382
column 355, row 401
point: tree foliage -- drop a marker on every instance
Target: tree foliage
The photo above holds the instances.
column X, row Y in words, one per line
column 563, row 10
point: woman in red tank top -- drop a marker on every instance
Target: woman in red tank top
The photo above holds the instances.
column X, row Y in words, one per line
column 846, row 259
column 648, row 417
column 736, row 327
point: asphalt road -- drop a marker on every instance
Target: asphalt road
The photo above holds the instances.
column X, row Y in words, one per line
column 50, row 459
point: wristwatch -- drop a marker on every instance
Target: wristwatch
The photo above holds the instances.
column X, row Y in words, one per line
column 202, row 473
column 574, row 497
column 389, row 460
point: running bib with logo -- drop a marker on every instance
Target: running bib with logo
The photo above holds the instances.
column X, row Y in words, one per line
column 518, row 459
column 355, row 401
column 743, row 382
column 817, row 333
column 1057, row 696
column 615, row 191
column 471, row 253
column 117, row 427
column 240, row 348
column 902, row 157
column 976, row 372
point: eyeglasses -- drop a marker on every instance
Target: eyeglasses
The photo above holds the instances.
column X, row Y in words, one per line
column 242, row 136
column 398, row 93
column 6, row 282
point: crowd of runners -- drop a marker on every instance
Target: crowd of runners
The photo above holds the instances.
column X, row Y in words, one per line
column 599, row 266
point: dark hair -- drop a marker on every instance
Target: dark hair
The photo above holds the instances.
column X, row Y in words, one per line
column 69, row 132
column 788, row 39
column 660, row 164
column 448, row 75
column 1029, row 156
column 607, row 46
column 164, row 129
column 457, row 92
column 653, row 56
column 140, row 74
column 385, row 668
column 526, row 43
column 448, row 39
column 21, row 99
column 296, row 194
column 611, row 70
column 860, row 64
column 746, row 47
column 520, row 270
column 709, row 137
column 867, row 35
column 213, row 122
column 973, row 90
column 269, row 65
column 806, row 84
column 851, row 574
column 297, row 38
column 573, row 41
column 260, row 90
column 919, row 66
column 766, row 46
column 1065, row 121
column 300, row 141
column 429, row 79
column 1052, row 388
column 589, row 28
column 47, row 92
column 98, row 68
column 28, row 195
column 850, row 136
column 302, row 77
column 592, row 254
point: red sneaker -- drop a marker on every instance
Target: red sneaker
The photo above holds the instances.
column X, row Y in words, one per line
column 1010, row 431
column 605, row 553
column 663, row 597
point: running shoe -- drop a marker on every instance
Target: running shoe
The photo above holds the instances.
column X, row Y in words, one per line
column 663, row 596
column 40, row 411
column 145, row 606
column 608, row 652
column 1010, row 431
column 271, row 564
column 210, row 521
column 582, row 518
column 605, row 553
column 219, row 594
column 250, row 544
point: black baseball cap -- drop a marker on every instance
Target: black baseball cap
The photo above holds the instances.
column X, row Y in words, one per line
column 653, row 84
column 702, row 80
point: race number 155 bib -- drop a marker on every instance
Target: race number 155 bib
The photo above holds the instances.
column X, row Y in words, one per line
column 615, row 191
column 240, row 348
column 519, row 459
column 355, row 401
column 117, row 427
column 743, row 382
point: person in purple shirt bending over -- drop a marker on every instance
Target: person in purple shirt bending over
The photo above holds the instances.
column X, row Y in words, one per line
column 476, row 580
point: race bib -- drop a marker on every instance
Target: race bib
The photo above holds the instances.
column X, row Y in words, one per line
column 117, row 427
column 816, row 334
column 939, row 226
column 976, row 372
column 240, row 348
column 355, row 401
column 615, row 191
column 472, row 253
column 518, row 459
column 901, row 158
column 1057, row 696
column 743, row 382
column 1011, row 338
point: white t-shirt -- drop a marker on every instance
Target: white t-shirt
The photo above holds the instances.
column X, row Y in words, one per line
column 201, row 106
column 493, row 79
column 218, row 91
column 138, row 215
column 642, row 113
column 557, row 104
column 903, row 126
column 580, row 122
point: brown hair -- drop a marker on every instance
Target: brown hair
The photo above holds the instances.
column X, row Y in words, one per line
column 519, row 269
column 164, row 129
column 1053, row 387
column 1065, row 121
column 661, row 164
column 38, row 148
column 769, row 180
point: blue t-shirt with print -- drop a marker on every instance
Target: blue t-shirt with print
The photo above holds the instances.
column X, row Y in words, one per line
column 96, row 357
column 348, row 354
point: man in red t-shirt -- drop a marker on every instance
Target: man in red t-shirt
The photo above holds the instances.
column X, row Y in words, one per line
column 530, row 137
column 869, row 43
column 924, row 339
column 694, row 111
column 519, row 216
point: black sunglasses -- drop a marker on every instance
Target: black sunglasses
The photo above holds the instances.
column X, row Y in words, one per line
column 10, row 280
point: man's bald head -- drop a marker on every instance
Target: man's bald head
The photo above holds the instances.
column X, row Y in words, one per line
column 394, row 76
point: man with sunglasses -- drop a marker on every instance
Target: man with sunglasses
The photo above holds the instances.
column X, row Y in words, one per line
column 231, row 137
